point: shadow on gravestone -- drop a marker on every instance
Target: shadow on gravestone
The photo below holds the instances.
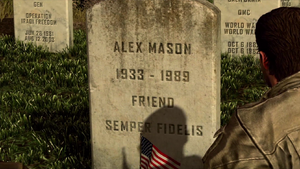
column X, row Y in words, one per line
column 166, row 129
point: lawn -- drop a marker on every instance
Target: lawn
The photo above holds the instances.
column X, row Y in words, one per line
column 44, row 107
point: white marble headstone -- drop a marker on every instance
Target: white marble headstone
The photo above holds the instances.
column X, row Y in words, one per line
column 154, row 70
column 44, row 22
column 238, row 23
column 289, row 3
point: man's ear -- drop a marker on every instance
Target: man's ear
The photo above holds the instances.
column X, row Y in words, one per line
column 264, row 60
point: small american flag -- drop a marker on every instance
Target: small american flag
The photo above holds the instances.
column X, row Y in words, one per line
column 152, row 157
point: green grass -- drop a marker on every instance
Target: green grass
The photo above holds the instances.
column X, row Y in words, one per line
column 44, row 114
column 241, row 82
column 6, row 8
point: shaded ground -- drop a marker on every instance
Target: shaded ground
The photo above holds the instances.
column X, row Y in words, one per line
column 7, row 27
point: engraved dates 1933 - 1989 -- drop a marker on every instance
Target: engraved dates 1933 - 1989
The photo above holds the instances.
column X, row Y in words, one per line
column 165, row 75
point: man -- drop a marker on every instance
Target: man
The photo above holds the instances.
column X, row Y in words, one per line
column 266, row 134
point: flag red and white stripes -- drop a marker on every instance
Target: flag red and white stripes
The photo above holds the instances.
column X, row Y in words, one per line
column 153, row 158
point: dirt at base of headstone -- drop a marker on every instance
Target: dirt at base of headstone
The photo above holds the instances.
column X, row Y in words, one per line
column 12, row 165
column 7, row 27
column 79, row 25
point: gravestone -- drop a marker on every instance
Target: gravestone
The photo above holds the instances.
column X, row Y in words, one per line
column 154, row 77
column 289, row 3
column 238, row 23
column 45, row 22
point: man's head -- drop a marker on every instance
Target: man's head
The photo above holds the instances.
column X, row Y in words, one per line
column 278, row 39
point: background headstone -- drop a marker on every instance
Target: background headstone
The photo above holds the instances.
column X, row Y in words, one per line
column 154, row 69
column 289, row 3
column 238, row 22
column 45, row 22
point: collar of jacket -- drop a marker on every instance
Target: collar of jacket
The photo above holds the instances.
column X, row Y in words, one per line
column 288, row 83
column 271, row 119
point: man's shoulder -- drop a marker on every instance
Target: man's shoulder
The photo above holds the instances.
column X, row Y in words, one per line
column 233, row 148
column 268, row 122
column 254, row 131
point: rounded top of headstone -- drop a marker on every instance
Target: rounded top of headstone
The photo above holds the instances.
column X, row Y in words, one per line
column 209, row 5
column 204, row 2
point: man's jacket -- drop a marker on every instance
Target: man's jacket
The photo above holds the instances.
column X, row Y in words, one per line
column 264, row 134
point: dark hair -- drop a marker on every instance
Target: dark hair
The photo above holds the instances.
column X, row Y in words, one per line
column 278, row 35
